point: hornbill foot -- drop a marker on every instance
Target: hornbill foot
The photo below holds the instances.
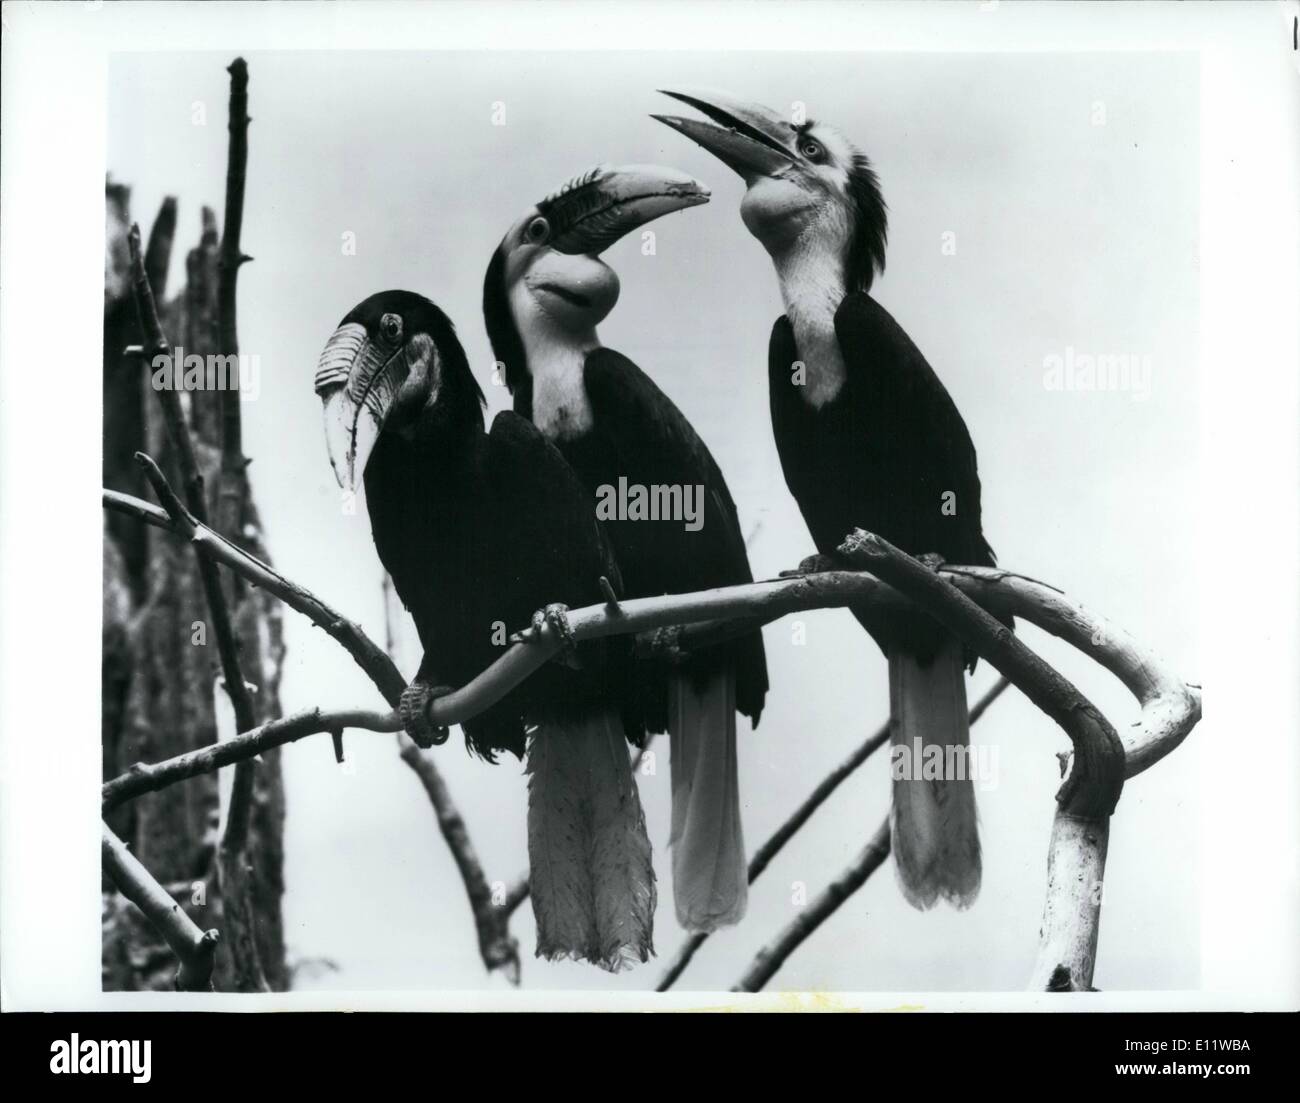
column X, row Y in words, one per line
column 414, row 710
column 816, row 564
column 557, row 616
column 933, row 560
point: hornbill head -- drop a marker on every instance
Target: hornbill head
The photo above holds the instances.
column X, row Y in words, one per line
column 807, row 186
column 547, row 277
column 394, row 364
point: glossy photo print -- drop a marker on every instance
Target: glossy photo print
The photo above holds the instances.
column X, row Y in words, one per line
column 623, row 507
column 566, row 396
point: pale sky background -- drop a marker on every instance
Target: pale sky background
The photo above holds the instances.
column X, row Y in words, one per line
column 1070, row 182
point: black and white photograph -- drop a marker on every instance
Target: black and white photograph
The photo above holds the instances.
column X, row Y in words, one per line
column 651, row 507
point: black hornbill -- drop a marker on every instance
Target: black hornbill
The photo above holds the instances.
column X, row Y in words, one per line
column 868, row 437
column 544, row 293
column 478, row 529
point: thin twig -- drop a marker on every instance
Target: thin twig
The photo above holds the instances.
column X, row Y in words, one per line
column 496, row 946
column 149, row 778
column 783, row 834
column 233, row 483
column 773, row 956
column 194, row 949
column 368, row 655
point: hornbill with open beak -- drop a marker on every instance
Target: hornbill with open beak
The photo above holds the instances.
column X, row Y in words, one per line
column 478, row 529
column 868, row 437
column 545, row 291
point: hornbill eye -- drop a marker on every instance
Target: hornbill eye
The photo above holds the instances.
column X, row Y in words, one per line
column 538, row 230
column 390, row 325
column 812, row 150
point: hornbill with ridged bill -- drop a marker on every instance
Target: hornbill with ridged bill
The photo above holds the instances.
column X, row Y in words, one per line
column 478, row 529
column 868, row 437
column 544, row 293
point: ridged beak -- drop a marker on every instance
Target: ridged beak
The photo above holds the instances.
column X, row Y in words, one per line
column 593, row 211
column 356, row 381
column 748, row 137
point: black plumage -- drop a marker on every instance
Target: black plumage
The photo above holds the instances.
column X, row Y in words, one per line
column 480, row 529
column 639, row 433
column 881, row 455
column 868, row 438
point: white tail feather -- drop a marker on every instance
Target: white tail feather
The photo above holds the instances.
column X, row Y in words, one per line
column 591, row 878
column 710, row 873
column 935, row 837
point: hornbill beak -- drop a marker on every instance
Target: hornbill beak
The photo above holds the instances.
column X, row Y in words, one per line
column 748, row 137
column 592, row 212
column 357, row 384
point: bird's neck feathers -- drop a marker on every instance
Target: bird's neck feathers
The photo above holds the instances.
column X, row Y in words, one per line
column 446, row 435
column 555, row 356
column 810, row 270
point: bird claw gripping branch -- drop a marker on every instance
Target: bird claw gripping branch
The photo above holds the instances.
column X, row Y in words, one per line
column 557, row 616
column 414, row 710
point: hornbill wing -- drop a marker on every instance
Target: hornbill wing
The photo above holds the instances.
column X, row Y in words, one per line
column 532, row 478
column 657, row 433
column 903, row 443
column 894, row 388
column 556, row 552
column 592, row 878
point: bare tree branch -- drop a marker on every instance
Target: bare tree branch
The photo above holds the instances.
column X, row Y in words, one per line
column 233, row 487
column 1170, row 708
column 156, row 345
column 194, row 949
column 783, row 834
column 1077, row 851
column 490, row 921
column 496, row 946
column 1094, row 783
column 823, row 906
column 148, row 778
column 241, row 797
column 232, row 867
column 368, row 655
column 157, row 258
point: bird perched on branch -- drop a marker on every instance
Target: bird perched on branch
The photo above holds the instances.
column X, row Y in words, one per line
column 478, row 529
column 545, row 291
column 868, row 437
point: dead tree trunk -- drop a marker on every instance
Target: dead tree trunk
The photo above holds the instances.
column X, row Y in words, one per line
column 160, row 666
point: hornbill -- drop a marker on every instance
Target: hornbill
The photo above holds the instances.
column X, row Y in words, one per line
column 544, row 293
column 478, row 529
column 868, row 437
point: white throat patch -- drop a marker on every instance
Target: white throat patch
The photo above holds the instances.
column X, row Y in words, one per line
column 561, row 409
column 812, row 288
